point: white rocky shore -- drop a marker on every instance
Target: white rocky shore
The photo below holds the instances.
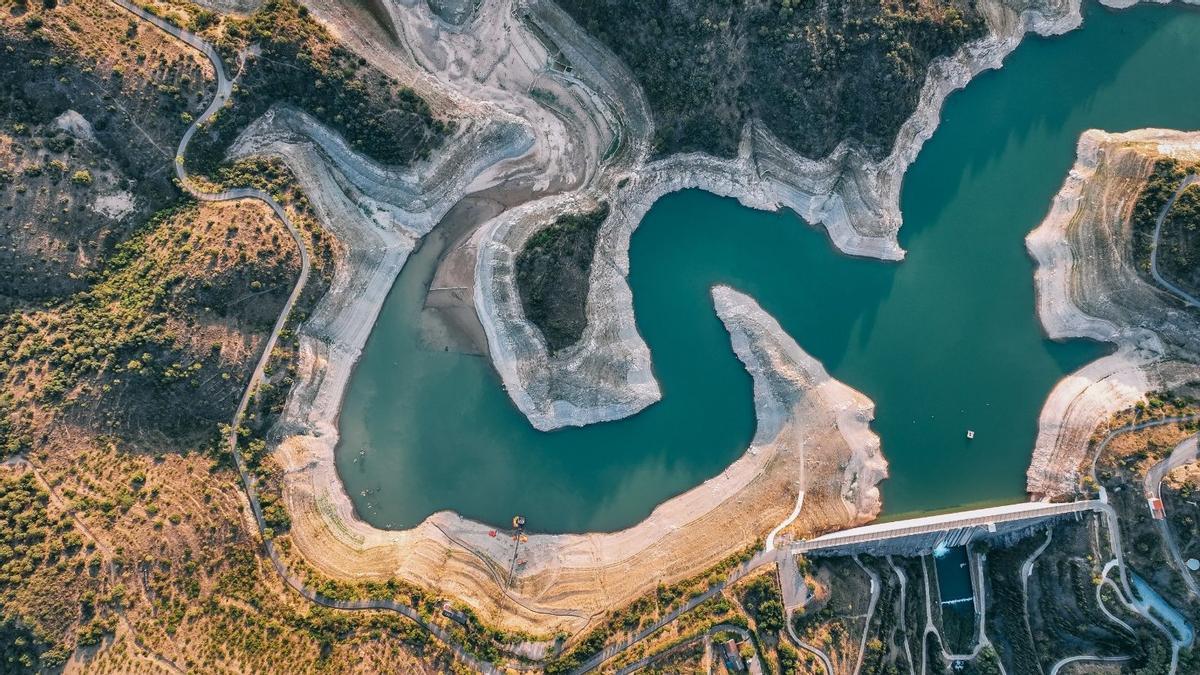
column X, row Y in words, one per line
column 608, row 374
column 585, row 142
column 813, row 435
column 1088, row 287
column 789, row 387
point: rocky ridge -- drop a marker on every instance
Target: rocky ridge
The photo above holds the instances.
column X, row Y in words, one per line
column 585, row 139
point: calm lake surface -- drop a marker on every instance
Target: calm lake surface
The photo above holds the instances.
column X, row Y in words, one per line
column 944, row 342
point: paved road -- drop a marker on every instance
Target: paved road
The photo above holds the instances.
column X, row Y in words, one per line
column 981, row 517
column 761, row 558
column 705, row 636
column 903, row 579
column 876, row 587
column 795, row 588
column 868, row 533
column 770, row 544
column 1183, row 453
column 1111, row 617
column 1027, row 566
column 812, row 649
column 942, row 523
column 1114, row 532
column 1157, row 422
column 1162, row 216
column 224, row 89
column 1075, row 659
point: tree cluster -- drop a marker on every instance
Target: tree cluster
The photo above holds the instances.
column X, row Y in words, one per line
column 301, row 65
column 553, row 270
column 815, row 73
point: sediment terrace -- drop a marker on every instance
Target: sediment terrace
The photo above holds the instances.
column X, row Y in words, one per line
column 607, row 375
column 813, row 436
column 591, row 145
column 1088, row 286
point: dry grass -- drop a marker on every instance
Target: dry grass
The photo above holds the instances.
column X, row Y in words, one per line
column 131, row 93
column 167, row 511
column 156, row 350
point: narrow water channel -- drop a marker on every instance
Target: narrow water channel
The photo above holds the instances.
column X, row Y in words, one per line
column 944, row 342
column 954, row 578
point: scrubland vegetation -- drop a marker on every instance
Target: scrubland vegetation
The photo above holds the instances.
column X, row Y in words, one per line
column 74, row 184
column 155, row 344
column 1121, row 469
column 649, row 608
column 880, row 656
column 835, row 621
column 1179, row 243
column 117, row 379
column 816, row 73
column 552, row 275
column 53, row 592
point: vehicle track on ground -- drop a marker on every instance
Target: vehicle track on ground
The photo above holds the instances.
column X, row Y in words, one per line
column 224, row 91
column 1114, row 530
column 1184, row 453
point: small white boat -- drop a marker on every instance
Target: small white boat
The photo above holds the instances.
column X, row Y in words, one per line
column 970, row 434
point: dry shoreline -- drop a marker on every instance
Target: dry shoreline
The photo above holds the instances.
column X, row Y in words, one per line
column 607, row 375
column 813, row 434
column 1087, row 287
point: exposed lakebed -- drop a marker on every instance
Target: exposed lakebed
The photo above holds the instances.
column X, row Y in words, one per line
column 943, row 342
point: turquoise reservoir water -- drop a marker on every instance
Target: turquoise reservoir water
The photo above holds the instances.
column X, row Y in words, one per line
column 943, row 342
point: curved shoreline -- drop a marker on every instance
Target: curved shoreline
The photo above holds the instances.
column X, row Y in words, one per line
column 450, row 553
column 1083, row 266
column 248, row 480
column 813, row 434
column 447, row 552
column 607, row 375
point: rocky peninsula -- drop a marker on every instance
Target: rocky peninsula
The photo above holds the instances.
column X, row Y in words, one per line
column 1088, row 286
column 582, row 140
column 813, row 437
column 607, row 374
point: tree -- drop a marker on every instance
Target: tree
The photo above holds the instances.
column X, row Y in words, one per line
column 770, row 616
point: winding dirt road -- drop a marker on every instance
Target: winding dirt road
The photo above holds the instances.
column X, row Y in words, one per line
column 1184, row 453
column 221, row 98
column 1162, row 216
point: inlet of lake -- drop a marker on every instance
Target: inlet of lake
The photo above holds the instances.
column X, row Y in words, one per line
column 943, row 342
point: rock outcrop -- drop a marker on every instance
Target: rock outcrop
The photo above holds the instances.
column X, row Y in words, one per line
column 563, row 140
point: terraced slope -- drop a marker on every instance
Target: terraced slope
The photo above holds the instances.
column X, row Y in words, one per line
column 817, row 73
